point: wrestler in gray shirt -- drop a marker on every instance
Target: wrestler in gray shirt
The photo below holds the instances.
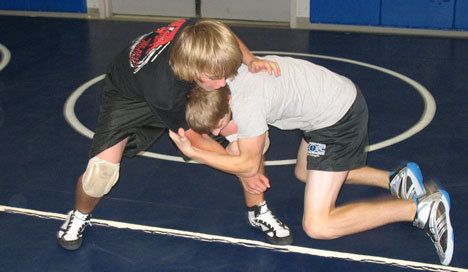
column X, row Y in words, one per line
column 306, row 96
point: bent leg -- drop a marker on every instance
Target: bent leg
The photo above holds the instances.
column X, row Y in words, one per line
column 364, row 176
column 322, row 220
column 369, row 176
column 251, row 199
column 300, row 171
column 84, row 202
column 261, row 217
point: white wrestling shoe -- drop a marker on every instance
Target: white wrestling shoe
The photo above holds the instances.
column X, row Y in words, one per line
column 70, row 235
column 262, row 218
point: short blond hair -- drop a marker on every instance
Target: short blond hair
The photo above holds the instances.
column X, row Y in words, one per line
column 205, row 109
column 209, row 48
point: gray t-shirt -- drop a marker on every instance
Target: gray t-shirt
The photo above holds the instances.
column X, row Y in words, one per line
column 306, row 96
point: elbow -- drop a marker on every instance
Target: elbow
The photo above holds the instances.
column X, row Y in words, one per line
column 252, row 171
column 251, row 168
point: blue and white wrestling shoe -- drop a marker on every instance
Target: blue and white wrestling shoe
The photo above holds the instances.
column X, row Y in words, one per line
column 433, row 216
column 407, row 182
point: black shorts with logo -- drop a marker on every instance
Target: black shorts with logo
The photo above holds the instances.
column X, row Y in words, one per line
column 342, row 146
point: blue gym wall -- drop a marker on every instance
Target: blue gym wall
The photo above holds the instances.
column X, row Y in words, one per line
column 461, row 14
column 430, row 14
column 45, row 5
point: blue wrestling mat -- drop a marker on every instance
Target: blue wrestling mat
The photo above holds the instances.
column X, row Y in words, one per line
column 167, row 215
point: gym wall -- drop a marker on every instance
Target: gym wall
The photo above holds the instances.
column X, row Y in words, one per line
column 77, row 6
column 426, row 14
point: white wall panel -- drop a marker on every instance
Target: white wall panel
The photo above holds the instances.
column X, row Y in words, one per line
column 176, row 8
column 255, row 10
column 92, row 3
column 303, row 8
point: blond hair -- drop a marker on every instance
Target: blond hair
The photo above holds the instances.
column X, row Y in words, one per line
column 208, row 48
column 205, row 109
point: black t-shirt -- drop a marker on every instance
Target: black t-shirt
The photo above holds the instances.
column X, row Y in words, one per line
column 142, row 72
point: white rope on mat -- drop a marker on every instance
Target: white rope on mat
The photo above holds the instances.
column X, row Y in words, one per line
column 241, row 242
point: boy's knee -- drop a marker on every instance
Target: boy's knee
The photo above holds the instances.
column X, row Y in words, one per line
column 317, row 230
column 300, row 174
column 100, row 176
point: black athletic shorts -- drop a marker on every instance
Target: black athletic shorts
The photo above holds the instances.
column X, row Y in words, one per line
column 121, row 117
column 342, row 146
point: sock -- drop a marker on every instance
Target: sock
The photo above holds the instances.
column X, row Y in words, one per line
column 391, row 175
column 416, row 201
column 256, row 209
column 81, row 215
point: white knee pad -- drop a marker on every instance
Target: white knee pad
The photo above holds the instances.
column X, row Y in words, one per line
column 100, row 176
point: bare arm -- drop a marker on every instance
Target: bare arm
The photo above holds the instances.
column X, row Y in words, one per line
column 255, row 64
column 229, row 129
column 204, row 142
column 245, row 164
column 247, row 56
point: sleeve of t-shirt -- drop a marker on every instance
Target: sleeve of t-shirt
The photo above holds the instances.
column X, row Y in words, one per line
column 169, row 104
column 249, row 118
column 173, row 119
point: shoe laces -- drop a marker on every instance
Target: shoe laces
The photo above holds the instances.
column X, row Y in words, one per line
column 77, row 224
column 437, row 227
column 431, row 216
column 270, row 220
column 399, row 183
column 402, row 185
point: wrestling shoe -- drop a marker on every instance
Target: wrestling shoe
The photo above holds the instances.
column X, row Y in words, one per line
column 407, row 182
column 433, row 216
column 262, row 218
column 70, row 234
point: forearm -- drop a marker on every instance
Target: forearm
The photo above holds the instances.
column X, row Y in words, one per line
column 247, row 56
column 244, row 164
column 237, row 165
column 204, row 142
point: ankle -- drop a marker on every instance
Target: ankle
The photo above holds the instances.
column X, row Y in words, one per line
column 255, row 206
column 81, row 215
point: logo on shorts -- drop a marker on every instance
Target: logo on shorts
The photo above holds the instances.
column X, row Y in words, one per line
column 316, row 149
